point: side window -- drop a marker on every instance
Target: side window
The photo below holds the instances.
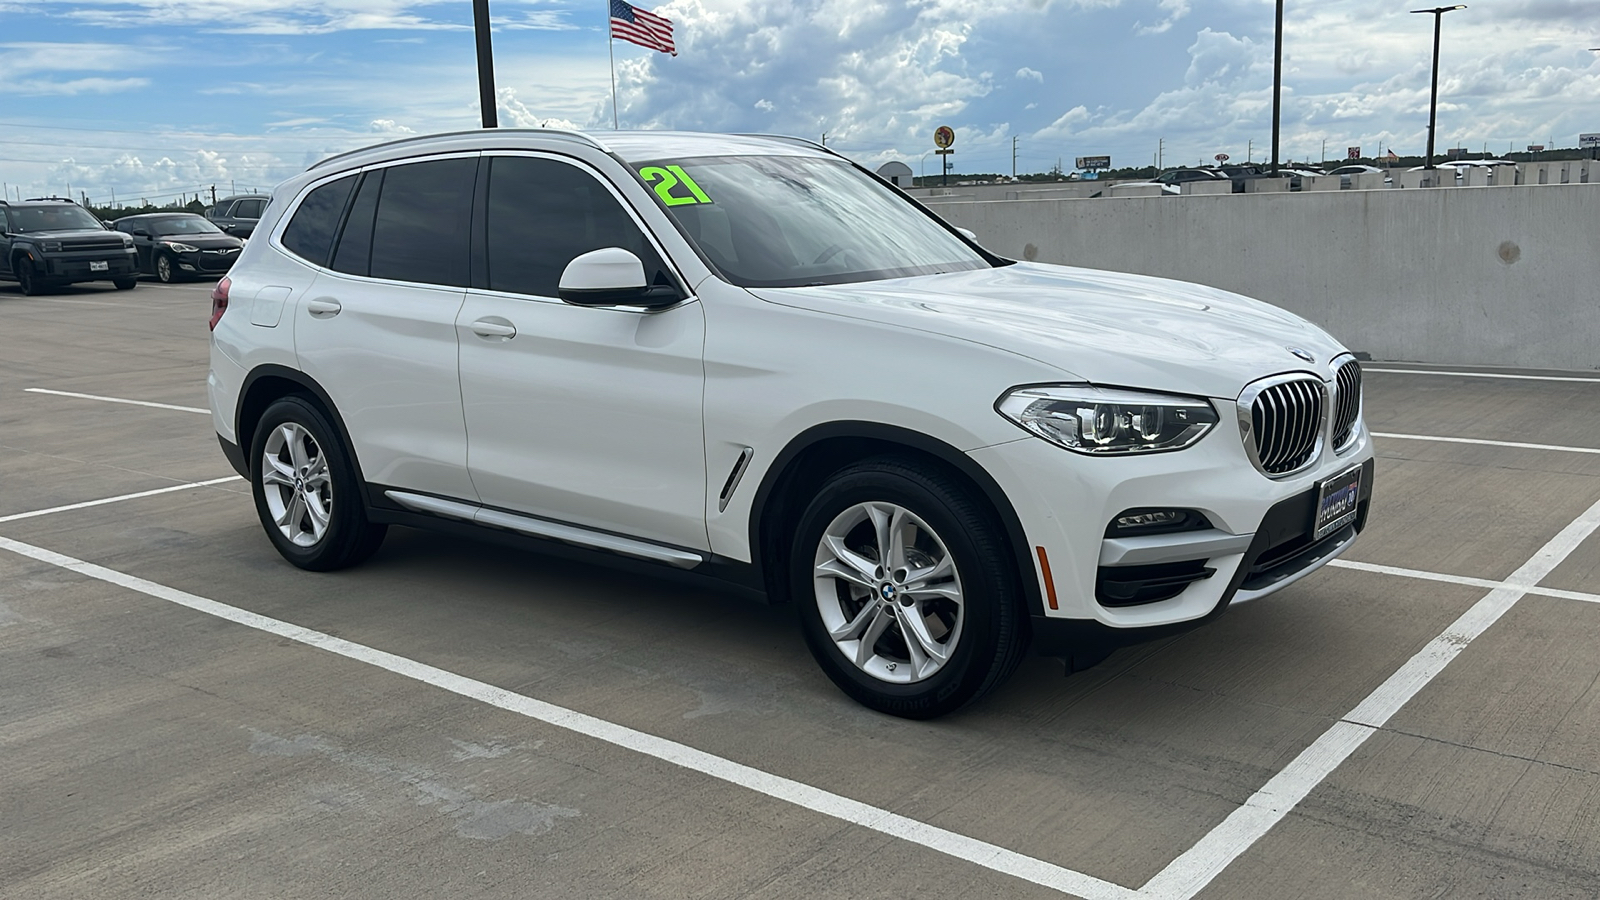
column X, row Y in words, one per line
column 423, row 221
column 248, row 209
column 310, row 232
column 542, row 213
column 354, row 255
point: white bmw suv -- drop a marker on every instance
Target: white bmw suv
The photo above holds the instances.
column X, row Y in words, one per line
column 750, row 360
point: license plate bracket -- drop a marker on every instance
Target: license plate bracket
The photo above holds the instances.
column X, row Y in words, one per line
column 99, row 266
column 1337, row 501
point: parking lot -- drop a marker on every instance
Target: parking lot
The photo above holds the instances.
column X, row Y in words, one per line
column 184, row 714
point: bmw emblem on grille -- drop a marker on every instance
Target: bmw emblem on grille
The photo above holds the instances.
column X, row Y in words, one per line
column 1302, row 354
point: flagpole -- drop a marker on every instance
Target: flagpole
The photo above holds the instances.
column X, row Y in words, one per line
column 611, row 48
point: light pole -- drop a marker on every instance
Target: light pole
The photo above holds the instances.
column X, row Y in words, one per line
column 480, row 21
column 1433, row 102
column 1277, row 84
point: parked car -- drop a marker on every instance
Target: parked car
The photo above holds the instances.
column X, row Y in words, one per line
column 1180, row 176
column 238, row 215
column 177, row 246
column 1344, row 173
column 49, row 243
column 748, row 360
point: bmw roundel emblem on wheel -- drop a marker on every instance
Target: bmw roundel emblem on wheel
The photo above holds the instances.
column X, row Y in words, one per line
column 754, row 364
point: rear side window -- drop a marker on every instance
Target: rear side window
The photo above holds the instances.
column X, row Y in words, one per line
column 248, row 209
column 542, row 213
column 421, row 230
column 310, row 232
column 354, row 255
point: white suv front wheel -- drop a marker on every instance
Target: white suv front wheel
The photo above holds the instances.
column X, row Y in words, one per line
column 906, row 591
column 306, row 490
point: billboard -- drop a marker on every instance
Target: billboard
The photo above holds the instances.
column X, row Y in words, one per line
column 1589, row 141
column 1094, row 162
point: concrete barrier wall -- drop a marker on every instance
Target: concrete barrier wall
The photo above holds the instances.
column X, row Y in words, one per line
column 1466, row 275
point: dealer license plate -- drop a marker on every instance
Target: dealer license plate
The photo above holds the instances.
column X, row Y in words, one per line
column 1337, row 498
column 99, row 267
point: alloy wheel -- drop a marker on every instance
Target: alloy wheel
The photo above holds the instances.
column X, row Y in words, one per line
column 889, row 593
column 296, row 484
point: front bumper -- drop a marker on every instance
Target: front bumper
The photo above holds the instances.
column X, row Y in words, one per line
column 206, row 262
column 1258, row 542
column 77, row 266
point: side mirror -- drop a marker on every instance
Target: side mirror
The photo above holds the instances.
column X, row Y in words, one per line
column 968, row 233
column 612, row 277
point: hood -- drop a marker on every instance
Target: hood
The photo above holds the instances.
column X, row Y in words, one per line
column 71, row 234
column 1108, row 328
column 203, row 241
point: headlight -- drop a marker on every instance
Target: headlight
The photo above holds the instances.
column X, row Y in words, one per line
column 50, row 246
column 1108, row 421
column 180, row 248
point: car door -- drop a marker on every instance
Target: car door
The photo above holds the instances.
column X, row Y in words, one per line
column 244, row 216
column 142, row 241
column 5, row 242
column 588, row 416
column 377, row 327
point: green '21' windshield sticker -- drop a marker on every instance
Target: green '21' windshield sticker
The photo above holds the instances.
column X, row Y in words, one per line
column 666, row 178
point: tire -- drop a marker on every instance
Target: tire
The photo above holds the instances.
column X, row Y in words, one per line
column 125, row 284
column 27, row 279
column 165, row 272
column 306, row 489
column 967, row 600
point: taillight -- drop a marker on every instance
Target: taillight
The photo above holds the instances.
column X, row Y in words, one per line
column 219, row 301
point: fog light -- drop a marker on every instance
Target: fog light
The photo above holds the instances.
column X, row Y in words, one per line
column 1159, row 517
column 1145, row 520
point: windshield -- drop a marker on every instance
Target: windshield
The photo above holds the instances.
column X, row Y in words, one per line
column 769, row 221
column 53, row 218
column 183, row 225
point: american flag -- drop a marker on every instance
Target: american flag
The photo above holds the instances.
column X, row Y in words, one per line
column 641, row 27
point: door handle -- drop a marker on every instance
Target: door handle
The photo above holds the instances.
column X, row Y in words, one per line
column 491, row 328
column 323, row 308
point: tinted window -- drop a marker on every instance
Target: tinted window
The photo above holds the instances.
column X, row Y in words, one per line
column 421, row 229
column 248, row 209
column 542, row 213
column 310, row 232
column 355, row 245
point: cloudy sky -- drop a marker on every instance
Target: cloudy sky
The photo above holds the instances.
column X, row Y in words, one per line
column 148, row 98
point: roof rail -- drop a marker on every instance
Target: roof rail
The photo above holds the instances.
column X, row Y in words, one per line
column 788, row 139
column 564, row 132
column 42, row 199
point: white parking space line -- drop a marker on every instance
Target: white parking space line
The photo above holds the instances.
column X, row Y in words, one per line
column 1488, row 583
column 190, row 409
column 118, row 499
column 959, row 846
column 1486, row 443
column 1199, row 865
column 1508, row 377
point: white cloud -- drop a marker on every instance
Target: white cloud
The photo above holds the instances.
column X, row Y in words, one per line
column 1174, row 9
column 1027, row 74
column 73, row 87
column 389, row 126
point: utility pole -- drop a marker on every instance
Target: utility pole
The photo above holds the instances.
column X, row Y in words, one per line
column 213, row 195
column 480, row 20
column 1250, row 150
column 824, row 139
column 1013, row 157
column 1161, row 150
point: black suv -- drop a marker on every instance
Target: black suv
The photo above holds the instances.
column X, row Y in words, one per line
column 50, row 243
column 239, row 214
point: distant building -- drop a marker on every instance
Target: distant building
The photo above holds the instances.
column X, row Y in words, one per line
column 896, row 173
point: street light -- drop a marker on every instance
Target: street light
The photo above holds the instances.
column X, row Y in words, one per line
column 1433, row 103
column 1277, row 84
column 480, row 21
